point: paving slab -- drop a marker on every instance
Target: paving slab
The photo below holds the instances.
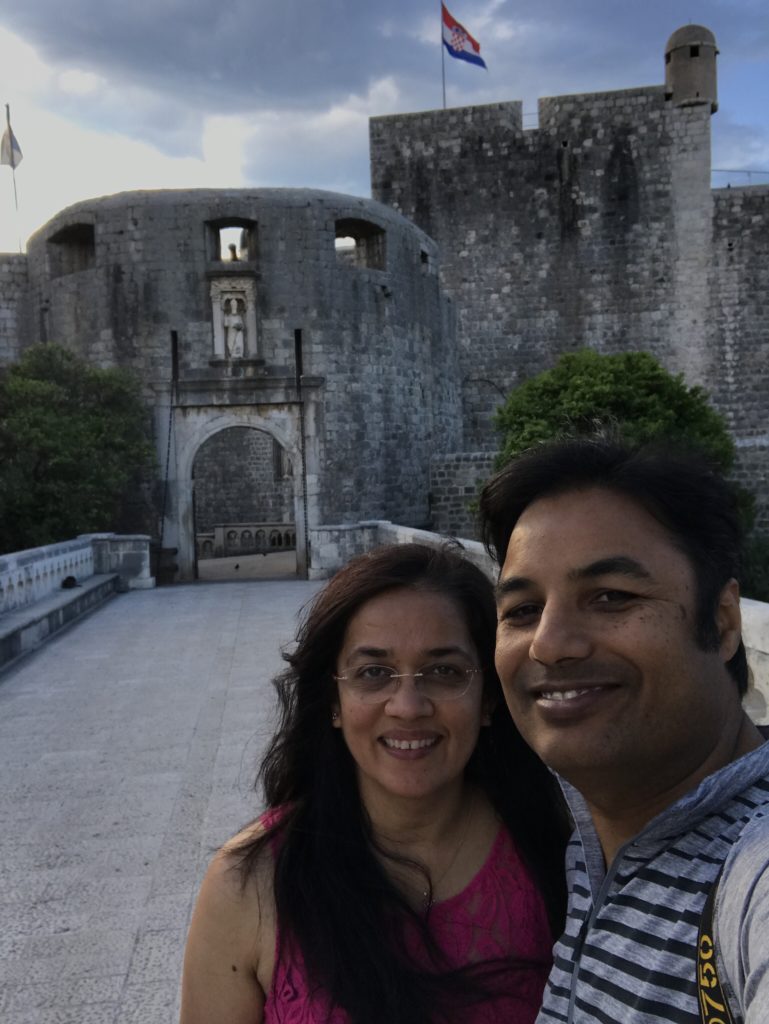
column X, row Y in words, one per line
column 128, row 750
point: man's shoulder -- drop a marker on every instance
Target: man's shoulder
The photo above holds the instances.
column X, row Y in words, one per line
column 748, row 856
column 742, row 917
column 747, row 860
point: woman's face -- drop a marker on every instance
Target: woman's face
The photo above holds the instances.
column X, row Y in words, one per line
column 407, row 745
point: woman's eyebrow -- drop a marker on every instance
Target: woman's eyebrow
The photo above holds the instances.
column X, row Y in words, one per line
column 370, row 652
column 432, row 652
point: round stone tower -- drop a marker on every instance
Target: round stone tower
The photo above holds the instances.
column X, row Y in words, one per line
column 314, row 318
column 690, row 67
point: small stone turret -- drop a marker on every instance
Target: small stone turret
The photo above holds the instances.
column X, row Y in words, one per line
column 690, row 67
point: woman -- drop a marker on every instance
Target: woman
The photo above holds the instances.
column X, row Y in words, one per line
column 409, row 868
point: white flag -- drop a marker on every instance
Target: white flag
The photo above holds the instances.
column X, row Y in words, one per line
column 10, row 150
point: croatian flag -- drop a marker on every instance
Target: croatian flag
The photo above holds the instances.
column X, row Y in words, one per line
column 458, row 40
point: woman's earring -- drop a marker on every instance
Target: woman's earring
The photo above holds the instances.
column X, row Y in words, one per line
column 334, row 716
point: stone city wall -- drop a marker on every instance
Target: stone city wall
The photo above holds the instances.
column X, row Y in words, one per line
column 14, row 306
column 598, row 228
column 455, row 482
column 588, row 231
column 133, row 280
column 739, row 309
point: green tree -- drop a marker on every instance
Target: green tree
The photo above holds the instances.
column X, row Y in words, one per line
column 631, row 395
column 73, row 444
column 629, row 392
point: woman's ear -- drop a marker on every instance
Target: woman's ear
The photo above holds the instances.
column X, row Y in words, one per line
column 729, row 620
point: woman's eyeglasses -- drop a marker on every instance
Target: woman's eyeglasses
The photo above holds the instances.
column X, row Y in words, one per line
column 373, row 684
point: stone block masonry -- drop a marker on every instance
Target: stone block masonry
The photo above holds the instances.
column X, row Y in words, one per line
column 140, row 280
column 14, row 306
column 597, row 229
column 739, row 309
column 578, row 233
column 455, row 482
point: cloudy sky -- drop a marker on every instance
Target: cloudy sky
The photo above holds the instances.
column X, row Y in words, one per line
column 108, row 95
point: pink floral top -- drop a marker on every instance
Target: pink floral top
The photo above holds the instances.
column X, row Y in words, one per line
column 500, row 915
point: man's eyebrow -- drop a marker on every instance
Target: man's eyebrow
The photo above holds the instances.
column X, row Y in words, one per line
column 511, row 585
column 616, row 565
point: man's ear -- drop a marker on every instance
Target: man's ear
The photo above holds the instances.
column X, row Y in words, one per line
column 729, row 620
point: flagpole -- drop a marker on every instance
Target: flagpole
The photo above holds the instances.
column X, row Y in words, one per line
column 443, row 58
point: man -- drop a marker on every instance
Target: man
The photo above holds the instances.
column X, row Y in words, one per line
column 621, row 659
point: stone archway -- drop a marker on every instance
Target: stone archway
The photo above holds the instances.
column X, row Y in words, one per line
column 192, row 427
column 243, row 492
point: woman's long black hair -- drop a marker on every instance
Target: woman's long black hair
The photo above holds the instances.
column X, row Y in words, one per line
column 335, row 903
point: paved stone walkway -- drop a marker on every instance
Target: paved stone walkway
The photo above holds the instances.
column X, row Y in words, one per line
column 128, row 748
column 273, row 566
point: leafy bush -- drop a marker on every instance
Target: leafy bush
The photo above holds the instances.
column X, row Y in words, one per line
column 73, row 441
column 631, row 395
column 629, row 392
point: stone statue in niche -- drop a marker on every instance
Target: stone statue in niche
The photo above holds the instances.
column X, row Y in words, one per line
column 233, row 318
column 234, row 327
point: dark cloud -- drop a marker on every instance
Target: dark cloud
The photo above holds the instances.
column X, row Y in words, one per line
column 169, row 63
column 234, row 55
column 243, row 54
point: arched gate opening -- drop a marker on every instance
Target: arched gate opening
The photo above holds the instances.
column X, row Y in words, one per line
column 243, row 495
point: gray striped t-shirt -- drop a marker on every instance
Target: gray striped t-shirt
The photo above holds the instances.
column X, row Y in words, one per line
column 628, row 954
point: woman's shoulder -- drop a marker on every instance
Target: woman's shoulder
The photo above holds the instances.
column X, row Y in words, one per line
column 230, row 946
column 229, row 884
column 239, row 880
column 238, row 845
column 251, row 834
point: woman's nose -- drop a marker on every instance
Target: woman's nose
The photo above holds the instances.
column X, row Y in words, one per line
column 408, row 701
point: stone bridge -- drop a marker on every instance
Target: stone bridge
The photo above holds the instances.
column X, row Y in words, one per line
column 128, row 749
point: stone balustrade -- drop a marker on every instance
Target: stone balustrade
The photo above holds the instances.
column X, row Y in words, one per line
column 33, row 575
column 227, row 539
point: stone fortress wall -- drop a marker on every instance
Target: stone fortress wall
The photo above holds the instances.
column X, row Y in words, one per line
column 375, row 368
column 139, row 280
column 597, row 229
column 14, row 306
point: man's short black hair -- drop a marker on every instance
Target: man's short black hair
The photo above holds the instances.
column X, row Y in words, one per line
column 697, row 507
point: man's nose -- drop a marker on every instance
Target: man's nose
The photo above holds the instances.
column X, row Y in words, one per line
column 560, row 635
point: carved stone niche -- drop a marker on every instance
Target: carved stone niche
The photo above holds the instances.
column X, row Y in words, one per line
column 233, row 304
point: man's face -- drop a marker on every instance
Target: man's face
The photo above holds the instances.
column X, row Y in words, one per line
column 596, row 645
